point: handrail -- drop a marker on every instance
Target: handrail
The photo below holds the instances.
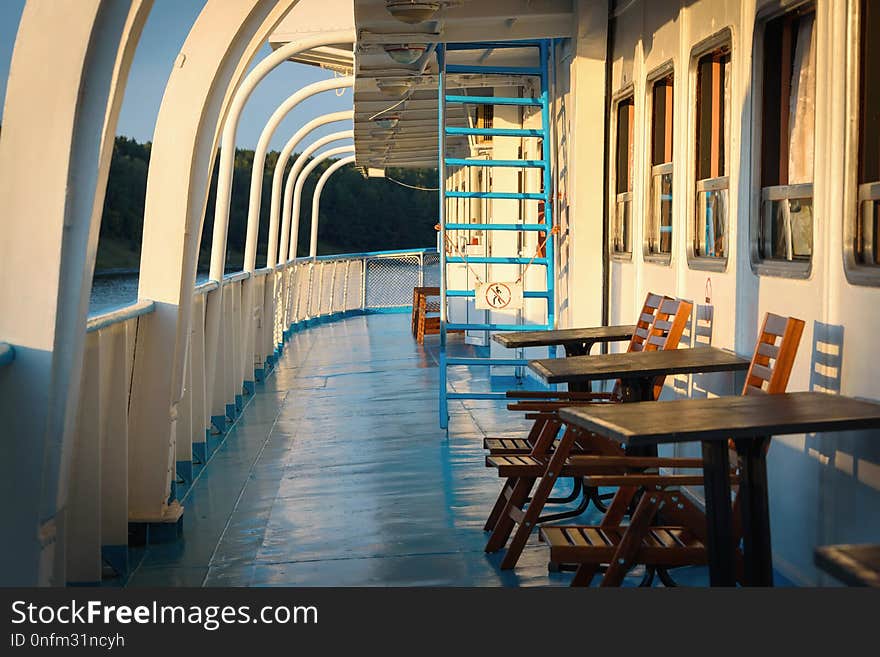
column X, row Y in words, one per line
column 121, row 314
column 7, row 354
column 234, row 278
column 207, row 286
column 374, row 254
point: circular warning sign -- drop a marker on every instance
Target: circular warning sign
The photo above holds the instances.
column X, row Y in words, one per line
column 498, row 295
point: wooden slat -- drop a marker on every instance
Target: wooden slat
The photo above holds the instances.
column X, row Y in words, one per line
column 653, row 300
column 768, row 350
column 575, row 537
column 657, row 340
column 662, row 535
column 761, row 372
column 594, row 536
column 662, row 324
column 775, row 324
column 647, row 318
column 669, row 306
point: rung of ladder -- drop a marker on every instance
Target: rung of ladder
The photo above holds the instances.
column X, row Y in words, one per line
column 517, row 362
column 510, row 164
column 493, row 45
column 497, row 327
column 494, row 132
column 495, row 100
column 494, row 70
column 515, row 196
column 494, row 260
column 476, row 395
column 537, row 228
column 528, row 294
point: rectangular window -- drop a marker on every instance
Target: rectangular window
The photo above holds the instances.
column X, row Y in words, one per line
column 709, row 239
column 621, row 218
column 782, row 230
column 658, row 218
column 867, row 233
column 485, row 117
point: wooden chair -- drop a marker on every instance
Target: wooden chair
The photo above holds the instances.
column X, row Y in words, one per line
column 425, row 320
column 545, row 403
column 510, row 515
column 620, row 546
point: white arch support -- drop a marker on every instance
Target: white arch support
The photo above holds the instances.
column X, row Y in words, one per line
column 256, row 189
column 298, row 190
column 316, row 200
column 230, row 131
column 286, row 246
column 273, row 255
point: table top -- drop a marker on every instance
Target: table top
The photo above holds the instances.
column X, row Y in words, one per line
column 518, row 339
column 720, row 418
column 855, row 565
column 638, row 364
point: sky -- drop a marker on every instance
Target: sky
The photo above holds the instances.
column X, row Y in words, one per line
column 165, row 32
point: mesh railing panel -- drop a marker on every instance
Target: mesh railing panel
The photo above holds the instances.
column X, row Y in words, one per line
column 390, row 281
column 305, row 292
column 339, row 286
column 355, row 284
column 315, row 290
column 431, row 264
column 327, row 281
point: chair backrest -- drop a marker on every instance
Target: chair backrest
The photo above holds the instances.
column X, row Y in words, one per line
column 673, row 316
column 774, row 355
column 646, row 319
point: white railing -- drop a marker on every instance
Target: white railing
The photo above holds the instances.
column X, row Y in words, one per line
column 285, row 299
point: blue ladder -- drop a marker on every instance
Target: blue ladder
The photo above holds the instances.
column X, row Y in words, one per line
column 543, row 228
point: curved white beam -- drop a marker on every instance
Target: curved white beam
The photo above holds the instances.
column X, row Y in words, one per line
column 256, row 190
column 298, row 190
column 295, row 170
column 230, row 130
column 273, row 255
column 316, row 200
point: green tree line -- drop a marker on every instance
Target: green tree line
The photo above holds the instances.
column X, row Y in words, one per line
column 357, row 213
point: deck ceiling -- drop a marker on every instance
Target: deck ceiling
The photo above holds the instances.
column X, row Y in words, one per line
column 413, row 143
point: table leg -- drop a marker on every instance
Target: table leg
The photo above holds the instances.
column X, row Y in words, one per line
column 755, row 509
column 716, row 475
column 579, row 349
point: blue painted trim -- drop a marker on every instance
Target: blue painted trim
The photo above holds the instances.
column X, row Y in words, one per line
column 7, row 354
column 493, row 45
column 250, row 387
column 476, row 395
column 116, row 556
column 239, row 404
column 200, row 451
column 492, row 132
column 537, row 228
column 509, row 164
column 259, row 376
column 230, row 411
column 219, row 423
column 398, row 310
column 527, row 294
column 372, row 254
column 185, row 470
column 512, row 196
column 494, row 100
column 154, row 533
column 496, row 261
column 83, row 585
column 494, row 70
column 497, row 327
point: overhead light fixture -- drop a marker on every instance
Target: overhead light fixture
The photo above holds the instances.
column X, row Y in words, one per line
column 412, row 12
column 405, row 53
column 393, row 87
column 388, row 122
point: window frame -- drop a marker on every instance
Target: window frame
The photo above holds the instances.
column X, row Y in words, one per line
column 761, row 265
column 856, row 272
column 661, row 72
column 723, row 39
column 622, row 95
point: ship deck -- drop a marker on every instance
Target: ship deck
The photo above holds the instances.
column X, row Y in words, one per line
column 336, row 473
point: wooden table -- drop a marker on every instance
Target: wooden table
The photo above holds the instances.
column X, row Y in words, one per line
column 854, row 565
column 576, row 341
column 750, row 421
column 638, row 370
